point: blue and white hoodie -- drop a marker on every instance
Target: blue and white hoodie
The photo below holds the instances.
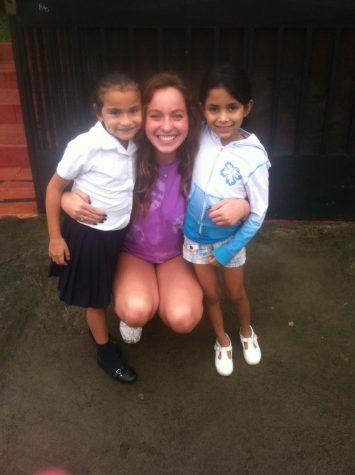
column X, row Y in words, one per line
column 236, row 170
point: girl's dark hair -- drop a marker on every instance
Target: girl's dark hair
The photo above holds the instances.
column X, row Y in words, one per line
column 147, row 167
column 232, row 79
column 115, row 80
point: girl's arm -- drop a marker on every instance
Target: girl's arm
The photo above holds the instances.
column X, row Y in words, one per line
column 76, row 204
column 58, row 249
column 258, row 194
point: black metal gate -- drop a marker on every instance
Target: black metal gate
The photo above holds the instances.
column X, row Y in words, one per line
column 300, row 55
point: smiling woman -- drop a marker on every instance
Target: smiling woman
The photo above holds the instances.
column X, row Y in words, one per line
column 167, row 123
column 151, row 274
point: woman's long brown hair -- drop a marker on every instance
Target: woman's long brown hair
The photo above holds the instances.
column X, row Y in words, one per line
column 147, row 167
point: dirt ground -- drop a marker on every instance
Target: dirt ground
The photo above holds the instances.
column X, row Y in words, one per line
column 292, row 414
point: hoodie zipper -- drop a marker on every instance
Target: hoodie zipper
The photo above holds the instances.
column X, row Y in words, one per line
column 204, row 207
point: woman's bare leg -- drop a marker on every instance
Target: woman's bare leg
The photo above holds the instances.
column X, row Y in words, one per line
column 180, row 295
column 135, row 290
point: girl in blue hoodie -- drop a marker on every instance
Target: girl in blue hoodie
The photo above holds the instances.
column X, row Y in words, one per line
column 231, row 163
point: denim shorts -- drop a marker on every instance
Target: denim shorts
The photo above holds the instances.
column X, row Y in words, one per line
column 200, row 253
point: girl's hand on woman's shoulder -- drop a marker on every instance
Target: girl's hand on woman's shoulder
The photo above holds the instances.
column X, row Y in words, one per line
column 229, row 211
column 77, row 205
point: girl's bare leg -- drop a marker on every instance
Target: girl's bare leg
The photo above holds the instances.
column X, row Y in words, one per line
column 135, row 290
column 180, row 295
column 207, row 276
column 96, row 320
column 234, row 282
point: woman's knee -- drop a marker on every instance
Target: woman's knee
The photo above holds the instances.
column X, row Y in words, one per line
column 136, row 312
column 183, row 318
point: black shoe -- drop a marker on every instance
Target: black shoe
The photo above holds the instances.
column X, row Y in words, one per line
column 123, row 373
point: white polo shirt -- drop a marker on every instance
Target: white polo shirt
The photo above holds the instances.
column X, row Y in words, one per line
column 103, row 169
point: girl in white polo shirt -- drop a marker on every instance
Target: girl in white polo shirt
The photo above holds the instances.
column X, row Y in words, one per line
column 99, row 162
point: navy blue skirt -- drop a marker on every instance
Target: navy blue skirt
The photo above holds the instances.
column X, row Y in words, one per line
column 87, row 279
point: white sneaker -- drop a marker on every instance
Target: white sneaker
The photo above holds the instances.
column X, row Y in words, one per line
column 223, row 362
column 251, row 348
column 130, row 334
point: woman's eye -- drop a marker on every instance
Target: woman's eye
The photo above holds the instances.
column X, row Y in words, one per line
column 212, row 109
column 232, row 108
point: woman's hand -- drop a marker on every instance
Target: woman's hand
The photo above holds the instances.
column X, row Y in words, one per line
column 229, row 211
column 77, row 205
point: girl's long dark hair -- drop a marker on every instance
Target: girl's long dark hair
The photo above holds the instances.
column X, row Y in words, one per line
column 232, row 79
column 147, row 167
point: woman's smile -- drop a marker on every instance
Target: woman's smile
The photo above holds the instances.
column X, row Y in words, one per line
column 167, row 138
column 167, row 123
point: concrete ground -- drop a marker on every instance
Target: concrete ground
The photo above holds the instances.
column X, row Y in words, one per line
column 292, row 414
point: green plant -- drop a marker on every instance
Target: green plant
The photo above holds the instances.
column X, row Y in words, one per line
column 4, row 27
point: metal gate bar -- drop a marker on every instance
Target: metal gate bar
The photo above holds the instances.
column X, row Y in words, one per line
column 54, row 85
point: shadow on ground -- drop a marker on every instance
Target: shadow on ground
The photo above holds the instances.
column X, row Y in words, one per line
column 292, row 414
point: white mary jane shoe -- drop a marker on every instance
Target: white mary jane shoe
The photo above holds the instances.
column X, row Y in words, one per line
column 130, row 334
column 223, row 363
column 252, row 353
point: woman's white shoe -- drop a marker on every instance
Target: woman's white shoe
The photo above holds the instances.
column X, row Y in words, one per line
column 251, row 349
column 223, row 361
column 130, row 334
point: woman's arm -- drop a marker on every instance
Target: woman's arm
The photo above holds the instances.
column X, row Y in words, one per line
column 77, row 205
column 229, row 211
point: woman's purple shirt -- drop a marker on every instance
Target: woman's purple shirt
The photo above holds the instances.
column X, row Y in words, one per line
column 157, row 237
